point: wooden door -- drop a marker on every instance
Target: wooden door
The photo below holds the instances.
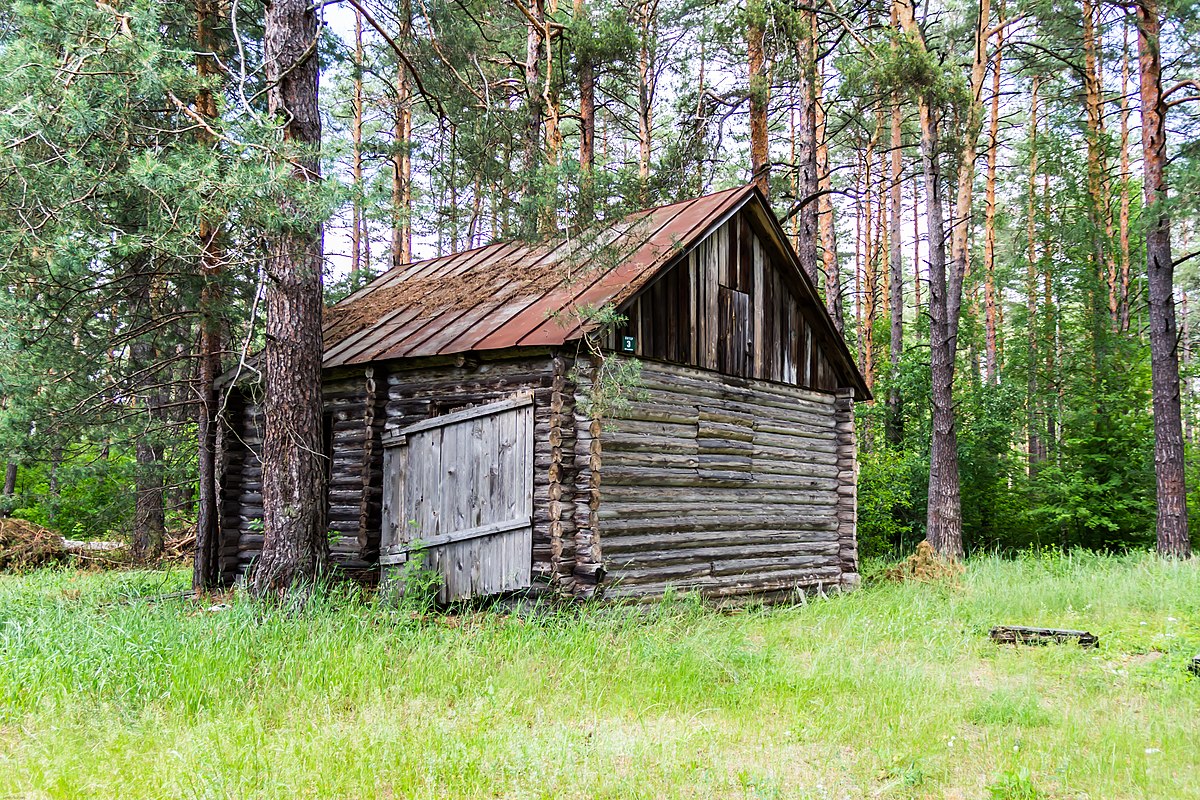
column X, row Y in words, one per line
column 459, row 488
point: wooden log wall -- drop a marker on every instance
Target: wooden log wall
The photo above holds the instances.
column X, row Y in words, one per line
column 354, row 420
column 723, row 485
column 731, row 307
column 847, row 463
column 240, row 482
column 420, row 389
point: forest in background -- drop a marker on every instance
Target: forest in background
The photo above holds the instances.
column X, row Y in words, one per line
column 967, row 184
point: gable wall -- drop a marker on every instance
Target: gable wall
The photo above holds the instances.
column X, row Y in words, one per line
column 727, row 307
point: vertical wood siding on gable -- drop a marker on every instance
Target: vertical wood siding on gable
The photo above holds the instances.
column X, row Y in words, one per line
column 727, row 307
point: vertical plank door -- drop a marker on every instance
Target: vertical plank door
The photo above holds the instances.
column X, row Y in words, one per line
column 459, row 489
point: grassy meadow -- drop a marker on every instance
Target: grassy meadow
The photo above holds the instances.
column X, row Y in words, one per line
column 894, row 691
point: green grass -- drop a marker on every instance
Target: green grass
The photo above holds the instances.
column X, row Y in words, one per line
column 893, row 691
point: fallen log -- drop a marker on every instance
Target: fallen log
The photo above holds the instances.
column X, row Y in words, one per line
column 1020, row 634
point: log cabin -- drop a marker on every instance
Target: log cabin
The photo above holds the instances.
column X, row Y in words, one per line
column 662, row 402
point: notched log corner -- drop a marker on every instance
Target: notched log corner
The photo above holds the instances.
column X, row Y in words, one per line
column 1019, row 634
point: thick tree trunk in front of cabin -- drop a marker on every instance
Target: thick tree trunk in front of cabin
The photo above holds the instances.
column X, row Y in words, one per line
column 760, row 95
column 807, row 185
column 295, row 546
column 1164, row 341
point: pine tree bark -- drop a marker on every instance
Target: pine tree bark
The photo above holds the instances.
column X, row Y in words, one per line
column 943, row 528
column 295, row 545
column 826, row 222
column 805, row 143
column 402, row 152
column 916, row 248
column 1172, row 528
column 587, row 125
column 1035, row 451
column 991, row 360
column 149, row 523
column 760, row 95
column 534, row 114
column 1126, row 178
column 895, row 418
column 1098, row 213
column 356, row 153
column 647, row 87
column 205, row 572
column 10, row 485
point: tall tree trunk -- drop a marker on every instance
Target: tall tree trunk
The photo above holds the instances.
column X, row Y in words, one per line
column 1126, row 178
column 895, row 419
column 647, row 84
column 10, row 486
column 402, row 152
column 869, row 285
column 534, row 113
column 965, row 194
column 990, row 301
column 1051, row 332
column 205, row 572
column 149, row 523
column 805, row 142
column 826, row 222
column 1097, row 168
column 760, row 96
column 1168, row 428
column 944, row 515
column 587, row 126
column 295, row 546
column 1034, row 447
column 356, row 131
column 916, row 248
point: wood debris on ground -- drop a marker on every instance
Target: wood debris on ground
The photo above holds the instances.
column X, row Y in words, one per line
column 26, row 545
column 925, row 566
column 1022, row 634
